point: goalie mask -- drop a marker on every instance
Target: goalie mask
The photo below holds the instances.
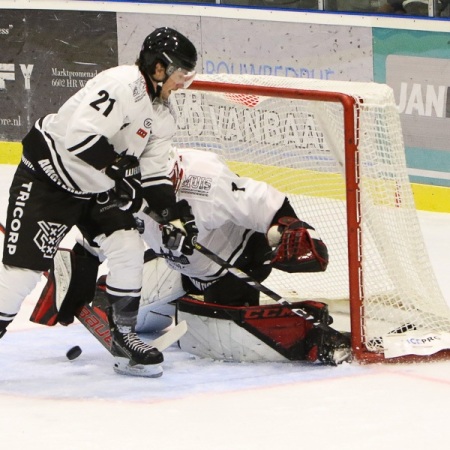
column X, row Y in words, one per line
column 174, row 50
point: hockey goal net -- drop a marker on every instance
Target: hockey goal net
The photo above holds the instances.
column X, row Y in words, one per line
column 336, row 150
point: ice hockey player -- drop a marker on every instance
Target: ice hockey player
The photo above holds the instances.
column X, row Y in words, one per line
column 88, row 166
column 251, row 225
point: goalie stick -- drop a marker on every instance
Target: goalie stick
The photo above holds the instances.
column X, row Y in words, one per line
column 261, row 288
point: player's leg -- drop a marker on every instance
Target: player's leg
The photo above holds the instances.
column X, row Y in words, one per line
column 38, row 217
column 15, row 284
column 161, row 287
column 232, row 291
column 123, row 289
column 121, row 244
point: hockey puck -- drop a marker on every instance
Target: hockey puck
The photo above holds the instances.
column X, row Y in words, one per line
column 73, row 353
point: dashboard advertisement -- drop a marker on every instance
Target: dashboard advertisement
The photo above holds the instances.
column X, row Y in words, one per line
column 46, row 57
column 416, row 65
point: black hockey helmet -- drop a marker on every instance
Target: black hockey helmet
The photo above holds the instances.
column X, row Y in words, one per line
column 169, row 46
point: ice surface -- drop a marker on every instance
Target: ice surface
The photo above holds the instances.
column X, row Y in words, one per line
column 51, row 403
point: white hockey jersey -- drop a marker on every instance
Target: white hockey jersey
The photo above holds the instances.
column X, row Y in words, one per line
column 114, row 105
column 228, row 209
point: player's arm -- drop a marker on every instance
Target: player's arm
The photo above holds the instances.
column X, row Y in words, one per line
column 157, row 187
column 259, row 206
column 103, row 110
column 179, row 230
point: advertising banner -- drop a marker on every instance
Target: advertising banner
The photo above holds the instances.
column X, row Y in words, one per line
column 260, row 47
column 45, row 57
column 416, row 65
column 296, row 50
column 133, row 28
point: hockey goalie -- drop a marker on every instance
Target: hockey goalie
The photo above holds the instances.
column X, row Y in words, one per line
column 253, row 227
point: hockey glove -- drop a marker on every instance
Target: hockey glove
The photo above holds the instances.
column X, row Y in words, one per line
column 180, row 232
column 126, row 173
column 300, row 249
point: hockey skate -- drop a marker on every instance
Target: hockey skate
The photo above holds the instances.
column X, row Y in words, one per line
column 3, row 325
column 329, row 347
column 133, row 356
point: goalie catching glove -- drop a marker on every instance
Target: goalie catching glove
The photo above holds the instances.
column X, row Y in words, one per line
column 298, row 247
column 179, row 230
column 126, row 173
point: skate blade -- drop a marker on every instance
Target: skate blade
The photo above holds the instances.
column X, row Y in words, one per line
column 122, row 366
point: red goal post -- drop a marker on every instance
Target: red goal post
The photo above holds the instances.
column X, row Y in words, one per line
column 336, row 150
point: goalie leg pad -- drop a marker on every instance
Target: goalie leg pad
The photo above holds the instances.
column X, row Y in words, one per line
column 255, row 333
column 161, row 285
column 70, row 284
column 45, row 312
column 82, row 284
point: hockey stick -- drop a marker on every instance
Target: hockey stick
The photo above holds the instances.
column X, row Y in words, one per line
column 261, row 288
column 98, row 326
column 95, row 321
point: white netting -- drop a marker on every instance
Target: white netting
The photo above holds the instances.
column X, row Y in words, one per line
column 298, row 146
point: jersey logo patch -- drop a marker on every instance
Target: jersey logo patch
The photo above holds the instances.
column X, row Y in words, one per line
column 48, row 237
column 196, row 185
column 138, row 88
column 142, row 133
column 235, row 188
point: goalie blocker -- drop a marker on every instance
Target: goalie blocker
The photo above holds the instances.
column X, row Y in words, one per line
column 260, row 333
